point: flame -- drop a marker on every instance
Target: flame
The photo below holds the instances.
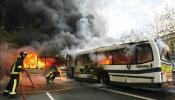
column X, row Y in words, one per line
column 41, row 63
column 32, row 60
column 49, row 61
column 105, row 59
column 108, row 61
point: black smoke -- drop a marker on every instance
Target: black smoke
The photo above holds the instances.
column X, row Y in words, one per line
column 56, row 24
column 45, row 15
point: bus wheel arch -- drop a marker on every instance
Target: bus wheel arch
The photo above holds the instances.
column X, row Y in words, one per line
column 103, row 78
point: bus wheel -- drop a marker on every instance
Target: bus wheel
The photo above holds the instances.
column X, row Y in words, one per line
column 104, row 79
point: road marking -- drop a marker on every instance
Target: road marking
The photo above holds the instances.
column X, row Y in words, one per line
column 32, row 92
column 132, row 95
column 50, row 96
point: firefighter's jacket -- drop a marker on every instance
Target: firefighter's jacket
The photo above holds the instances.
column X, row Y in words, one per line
column 52, row 72
column 55, row 72
column 17, row 67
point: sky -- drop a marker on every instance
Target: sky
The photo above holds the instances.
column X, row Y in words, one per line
column 123, row 15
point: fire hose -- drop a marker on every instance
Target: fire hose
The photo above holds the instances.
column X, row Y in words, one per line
column 24, row 98
column 29, row 78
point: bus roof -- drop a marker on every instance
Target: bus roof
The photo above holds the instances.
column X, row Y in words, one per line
column 108, row 48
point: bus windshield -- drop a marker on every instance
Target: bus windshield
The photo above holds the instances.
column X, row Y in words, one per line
column 164, row 50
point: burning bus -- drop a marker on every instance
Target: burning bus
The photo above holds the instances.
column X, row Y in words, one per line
column 144, row 63
column 35, row 61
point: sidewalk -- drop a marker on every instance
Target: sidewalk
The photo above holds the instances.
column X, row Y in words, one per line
column 40, row 84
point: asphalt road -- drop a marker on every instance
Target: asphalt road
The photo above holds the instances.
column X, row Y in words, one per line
column 92, row 91
column 79, row 91
column 67, row 89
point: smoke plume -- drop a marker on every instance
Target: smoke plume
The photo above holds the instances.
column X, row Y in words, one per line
column 49, row 27
column 54, row 21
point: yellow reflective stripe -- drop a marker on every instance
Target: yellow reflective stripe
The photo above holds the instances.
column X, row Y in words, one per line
column 61, row 74
column 50, row 81
column 48, row 74
column 12, row 93
column 20, row 77
column 19, row 66
column 13, row 69
column 14, row 87
column 6, row 90
column 15, row 72
column 51, row 75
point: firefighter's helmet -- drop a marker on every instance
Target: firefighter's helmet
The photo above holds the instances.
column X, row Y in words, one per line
column 23, row 54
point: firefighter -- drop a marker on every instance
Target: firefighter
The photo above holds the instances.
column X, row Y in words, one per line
column 16, row 68
column 52, row 74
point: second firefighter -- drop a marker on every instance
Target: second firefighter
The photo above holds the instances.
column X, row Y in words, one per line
column 52, row 74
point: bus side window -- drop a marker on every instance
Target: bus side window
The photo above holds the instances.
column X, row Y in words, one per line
column 87, row 59
column 79, row 61
column 120, row 57
column 75, row 61
column 144, row 53
column 105, row 58
column 93, row 59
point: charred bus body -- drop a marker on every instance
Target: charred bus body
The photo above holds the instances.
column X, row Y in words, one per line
column 144, row 63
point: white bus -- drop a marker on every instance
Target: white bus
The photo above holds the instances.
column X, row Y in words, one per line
column 144, row 63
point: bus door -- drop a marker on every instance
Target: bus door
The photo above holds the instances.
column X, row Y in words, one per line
column 69, row 64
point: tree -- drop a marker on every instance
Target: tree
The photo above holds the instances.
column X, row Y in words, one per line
column 133, row 36
column 164, row 22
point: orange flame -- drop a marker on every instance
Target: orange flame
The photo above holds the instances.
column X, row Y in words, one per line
column 33, row 61
column 104, row 59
